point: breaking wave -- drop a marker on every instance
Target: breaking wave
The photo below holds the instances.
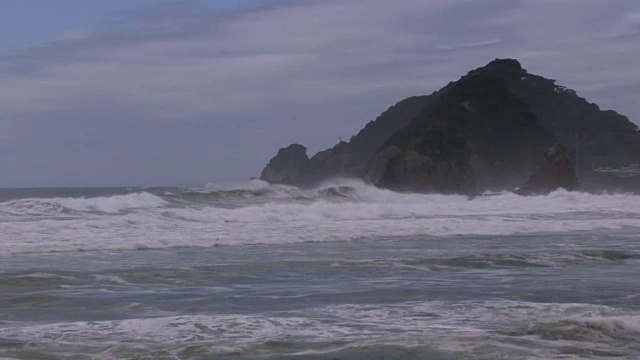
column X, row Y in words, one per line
column 515, row 260
column 258, row 213
column 68, row 206
column 588, row 328
column 257, row 190
column 556, row 328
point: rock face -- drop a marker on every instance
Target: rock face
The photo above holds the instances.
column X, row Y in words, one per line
column 485, row 131
column 556, row 172
column 415, row 172
column 351, row 159
column 285, row 168
column 476, row 135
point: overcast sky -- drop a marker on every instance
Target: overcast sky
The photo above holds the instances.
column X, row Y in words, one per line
column 144, row 92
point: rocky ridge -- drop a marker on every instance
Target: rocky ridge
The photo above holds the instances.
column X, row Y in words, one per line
column 486, row 131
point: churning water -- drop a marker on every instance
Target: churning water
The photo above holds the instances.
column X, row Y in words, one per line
column 344, row 271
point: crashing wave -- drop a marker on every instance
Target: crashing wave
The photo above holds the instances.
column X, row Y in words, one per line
column 69, row 206
column 259, row 213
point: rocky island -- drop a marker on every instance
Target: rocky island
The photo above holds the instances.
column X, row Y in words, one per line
column 497, row 128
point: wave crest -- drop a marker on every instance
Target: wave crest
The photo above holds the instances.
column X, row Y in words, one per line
column 340, row 210
column 69, row 206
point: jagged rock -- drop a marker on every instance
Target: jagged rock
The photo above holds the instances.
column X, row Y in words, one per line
column 379, row 164
column 351, row 159
column 414, row 172
column 475, row 136
column 334, row 162
column 504, row 116
column 556, row 172
column 286, row 166
column 604, row 138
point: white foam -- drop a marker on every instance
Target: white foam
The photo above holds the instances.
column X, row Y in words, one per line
column 467, row 316
column 252, row 187
column 412, row 320
column 224, row 330
column 625, row 324
column 253, row 184
column 44, row 276
column 146, row 221
column 114, row 204
column 112, row 278
column 54, row 206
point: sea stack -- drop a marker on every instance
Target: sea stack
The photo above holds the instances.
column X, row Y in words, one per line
column 556, row 171
column 286, row 166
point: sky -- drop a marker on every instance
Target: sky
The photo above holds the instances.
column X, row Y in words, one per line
column 190, row 92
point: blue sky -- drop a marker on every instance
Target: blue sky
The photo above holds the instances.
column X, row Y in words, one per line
column 142, row 92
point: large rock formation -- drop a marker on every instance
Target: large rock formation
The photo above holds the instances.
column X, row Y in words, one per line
column 485, row 131
column 556, row 171
column 602, row 137
column 476, row 135
column 285, row 168
column 351, row 159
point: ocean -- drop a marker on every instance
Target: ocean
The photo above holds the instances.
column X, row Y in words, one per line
column 343, row 271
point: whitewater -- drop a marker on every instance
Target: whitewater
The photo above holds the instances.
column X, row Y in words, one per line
column 344, row 270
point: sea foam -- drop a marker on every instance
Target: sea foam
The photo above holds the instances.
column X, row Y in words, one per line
column 430, row 321
column 56, row 206
column 264, row 214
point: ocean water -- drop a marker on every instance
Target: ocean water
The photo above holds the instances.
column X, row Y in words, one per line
column 344, row 271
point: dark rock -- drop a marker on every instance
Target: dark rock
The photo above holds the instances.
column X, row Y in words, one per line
column 415, row 172
column 286, row 166
column 331, row 163
column 591, row 135
column 476, row 136
column 555, row 172
column 379, row 163
column 485, row 130
column 351, row 159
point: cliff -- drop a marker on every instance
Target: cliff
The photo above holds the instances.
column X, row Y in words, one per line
column 286, row 166
column 351, row 159
column 486, row 131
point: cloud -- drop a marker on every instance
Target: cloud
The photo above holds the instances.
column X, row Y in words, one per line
column 176, row 60
column 306, row 71
column 193, row 63
column 470, row 44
